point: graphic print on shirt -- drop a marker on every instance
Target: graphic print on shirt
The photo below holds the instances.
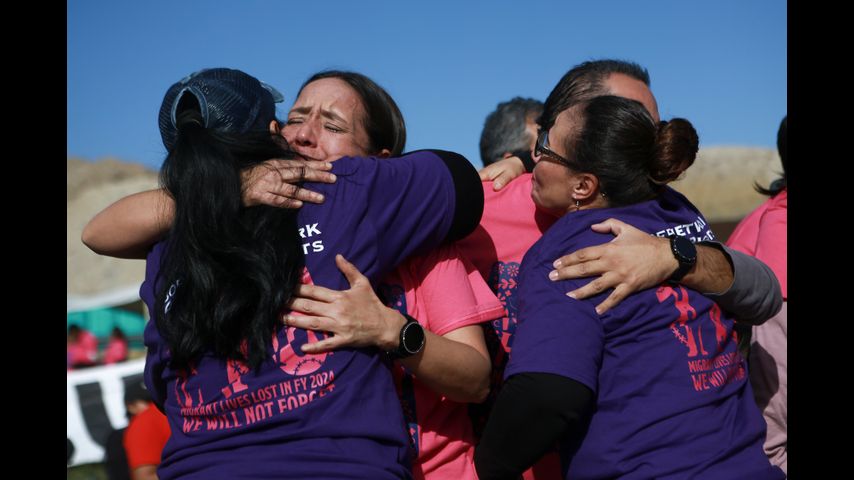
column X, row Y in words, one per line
column 499, row 339
column 235, row 370
column 697, row 231
column 289, row 353
column 181, row 391
column 708, row 365
column 238, row 402
column 395, row 297
column 502, row 281
column 309, row 234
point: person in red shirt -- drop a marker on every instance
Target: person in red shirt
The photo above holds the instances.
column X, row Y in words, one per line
column 146, row 434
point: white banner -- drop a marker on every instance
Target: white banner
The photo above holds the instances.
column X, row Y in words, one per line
column 95, row 401
column 110, row 298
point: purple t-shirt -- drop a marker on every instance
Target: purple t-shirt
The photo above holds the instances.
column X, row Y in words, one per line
column 672, row 396
column 332, row 415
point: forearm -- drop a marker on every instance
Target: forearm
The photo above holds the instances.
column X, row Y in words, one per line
column 451, row 366
column 130, row 226
column 145, row 472
column 754, row 294
column 532, row 413
column 712, row 272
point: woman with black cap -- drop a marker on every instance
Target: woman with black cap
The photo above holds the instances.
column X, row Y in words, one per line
column 242, row 398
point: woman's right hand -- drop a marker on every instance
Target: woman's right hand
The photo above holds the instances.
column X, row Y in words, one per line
column 276, row 182
column 502, row 172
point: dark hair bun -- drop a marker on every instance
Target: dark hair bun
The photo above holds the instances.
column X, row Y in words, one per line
column 676, row 146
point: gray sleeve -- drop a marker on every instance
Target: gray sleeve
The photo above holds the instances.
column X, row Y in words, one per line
column 755, row 294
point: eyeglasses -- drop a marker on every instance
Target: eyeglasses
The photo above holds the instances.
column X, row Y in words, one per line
column 542, row 149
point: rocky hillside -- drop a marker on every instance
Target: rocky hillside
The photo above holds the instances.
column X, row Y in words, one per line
column 91, row 186
column 721, row 180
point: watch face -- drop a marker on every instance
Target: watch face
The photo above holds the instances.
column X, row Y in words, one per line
column 684, row 250
column 412, row 339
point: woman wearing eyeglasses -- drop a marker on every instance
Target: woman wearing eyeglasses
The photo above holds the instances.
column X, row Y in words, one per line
column 653, row 388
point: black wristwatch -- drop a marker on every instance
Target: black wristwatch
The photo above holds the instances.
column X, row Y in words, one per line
column 685, row 253
column 412, row 339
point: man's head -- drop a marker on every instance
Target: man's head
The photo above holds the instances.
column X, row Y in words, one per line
column 344, row 114
column 599, row 77
column 510, row 129
column 578, row 86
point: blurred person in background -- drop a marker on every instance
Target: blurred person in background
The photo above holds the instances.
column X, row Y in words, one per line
column 134, row 452
column 81, row 348
column 510, row 131
column 763, row 234
column 117, row 347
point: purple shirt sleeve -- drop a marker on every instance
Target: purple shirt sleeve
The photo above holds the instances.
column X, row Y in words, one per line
column 412, row 202
column 377, row 214
column 555, row 333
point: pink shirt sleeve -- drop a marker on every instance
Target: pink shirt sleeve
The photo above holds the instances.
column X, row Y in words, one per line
column 743, row 238
column 771, row 242
column 762, row 234
column 450, row 292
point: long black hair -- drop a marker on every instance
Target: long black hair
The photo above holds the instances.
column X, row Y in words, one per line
column 779, row 184
column 227, row 270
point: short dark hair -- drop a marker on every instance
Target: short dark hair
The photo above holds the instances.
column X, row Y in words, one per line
column 383, row 121
column 136, row 391
column 585, row 81
column 504, row 128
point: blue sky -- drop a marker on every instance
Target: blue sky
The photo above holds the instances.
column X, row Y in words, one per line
column 447, row 63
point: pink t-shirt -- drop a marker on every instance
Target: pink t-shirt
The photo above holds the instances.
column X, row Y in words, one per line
column 84, row 351
column 763, row 235
column 116, row 351
column 444, row 293
column 510, row 225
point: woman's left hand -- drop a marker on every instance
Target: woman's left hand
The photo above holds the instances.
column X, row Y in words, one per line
column 355, row 317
